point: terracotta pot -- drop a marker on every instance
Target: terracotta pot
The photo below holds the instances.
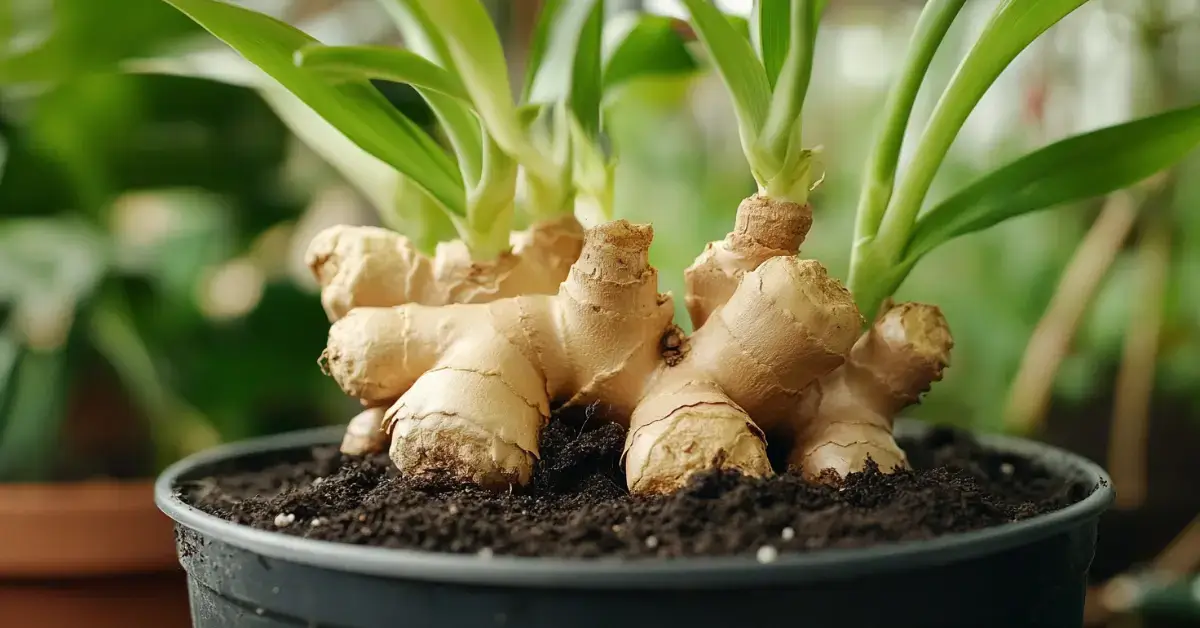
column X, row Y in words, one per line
column 95, row 554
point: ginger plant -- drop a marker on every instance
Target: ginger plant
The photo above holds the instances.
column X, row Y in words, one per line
column 779, row 351
column 454, row 60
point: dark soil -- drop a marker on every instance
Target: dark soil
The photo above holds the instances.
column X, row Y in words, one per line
column 577, row 505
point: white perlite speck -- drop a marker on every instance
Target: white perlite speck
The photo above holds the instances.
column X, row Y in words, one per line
column 316, row 522
column 787, row 534
column 318, row 481
column 486, row 552
column 767, row 554
column 1006, row 468
column 652, row 542
column 284, row 520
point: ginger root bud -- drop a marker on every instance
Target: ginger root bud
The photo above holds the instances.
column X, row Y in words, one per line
column 900, row 357
column 763, row 228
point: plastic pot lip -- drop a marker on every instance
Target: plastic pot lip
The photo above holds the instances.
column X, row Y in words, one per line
column 662, row 574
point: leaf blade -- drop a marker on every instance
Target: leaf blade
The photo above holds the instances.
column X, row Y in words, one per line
column 770, row 29
column 1063, row 172
column 736, row 62
column 381, row 62
column 474, row 48
column 355, row 108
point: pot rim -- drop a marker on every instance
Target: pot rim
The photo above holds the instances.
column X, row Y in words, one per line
column 614, row 573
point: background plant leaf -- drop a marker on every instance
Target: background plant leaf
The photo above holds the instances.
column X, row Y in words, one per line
column 640, row 44
column 33, row 414
column 1079, row 167
column 76, row 45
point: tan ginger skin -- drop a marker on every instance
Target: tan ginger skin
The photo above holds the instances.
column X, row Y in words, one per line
column 360, row 266
column 777, row 354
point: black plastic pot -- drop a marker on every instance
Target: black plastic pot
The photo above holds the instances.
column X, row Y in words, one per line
column 1027, row 574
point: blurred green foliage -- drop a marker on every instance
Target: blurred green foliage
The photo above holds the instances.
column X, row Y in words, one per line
column 122, row 197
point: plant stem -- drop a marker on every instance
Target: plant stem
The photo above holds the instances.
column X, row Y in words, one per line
column 490, row 204
column 787, row 100
column 932, row 25
column 1013, row 26
column 1048, row 346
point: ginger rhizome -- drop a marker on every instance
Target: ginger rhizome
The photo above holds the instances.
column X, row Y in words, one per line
column 464, row 389
column 360, row 266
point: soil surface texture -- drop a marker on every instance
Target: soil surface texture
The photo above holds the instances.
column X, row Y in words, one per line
column 577, row 505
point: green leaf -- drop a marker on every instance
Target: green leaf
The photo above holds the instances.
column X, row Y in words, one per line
column 353, row 107
column 381, row 62
column 1012, row 28
column 67, row 42
column 463, row 129
column 420, row 33
column 787, row 102
column 1077, row 168
column 474, row 48
column 739, row 68
column 33, row 416
column 568, row 60
column 880, row 177
column 442, row 90
column 740, row 25
column 639, row 44
column 770, row 26
column 10, row 356
column 423, row 37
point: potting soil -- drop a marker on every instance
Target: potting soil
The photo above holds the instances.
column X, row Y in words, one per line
column 577, row 506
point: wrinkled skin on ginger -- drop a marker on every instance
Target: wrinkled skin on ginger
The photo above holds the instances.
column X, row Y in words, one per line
column 373, row 267
column 464, row 389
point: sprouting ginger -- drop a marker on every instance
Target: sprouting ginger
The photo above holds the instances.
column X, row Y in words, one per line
column 777, row 354
column 374, row 267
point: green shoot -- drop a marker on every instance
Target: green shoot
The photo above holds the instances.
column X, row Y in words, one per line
column 768, row 90
column 880, row 176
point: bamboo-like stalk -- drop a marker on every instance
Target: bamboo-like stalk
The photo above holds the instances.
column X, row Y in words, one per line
column 1031, row 389
column 1135, row 380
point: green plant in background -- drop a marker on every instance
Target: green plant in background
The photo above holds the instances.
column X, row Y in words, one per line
column 126, row 204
